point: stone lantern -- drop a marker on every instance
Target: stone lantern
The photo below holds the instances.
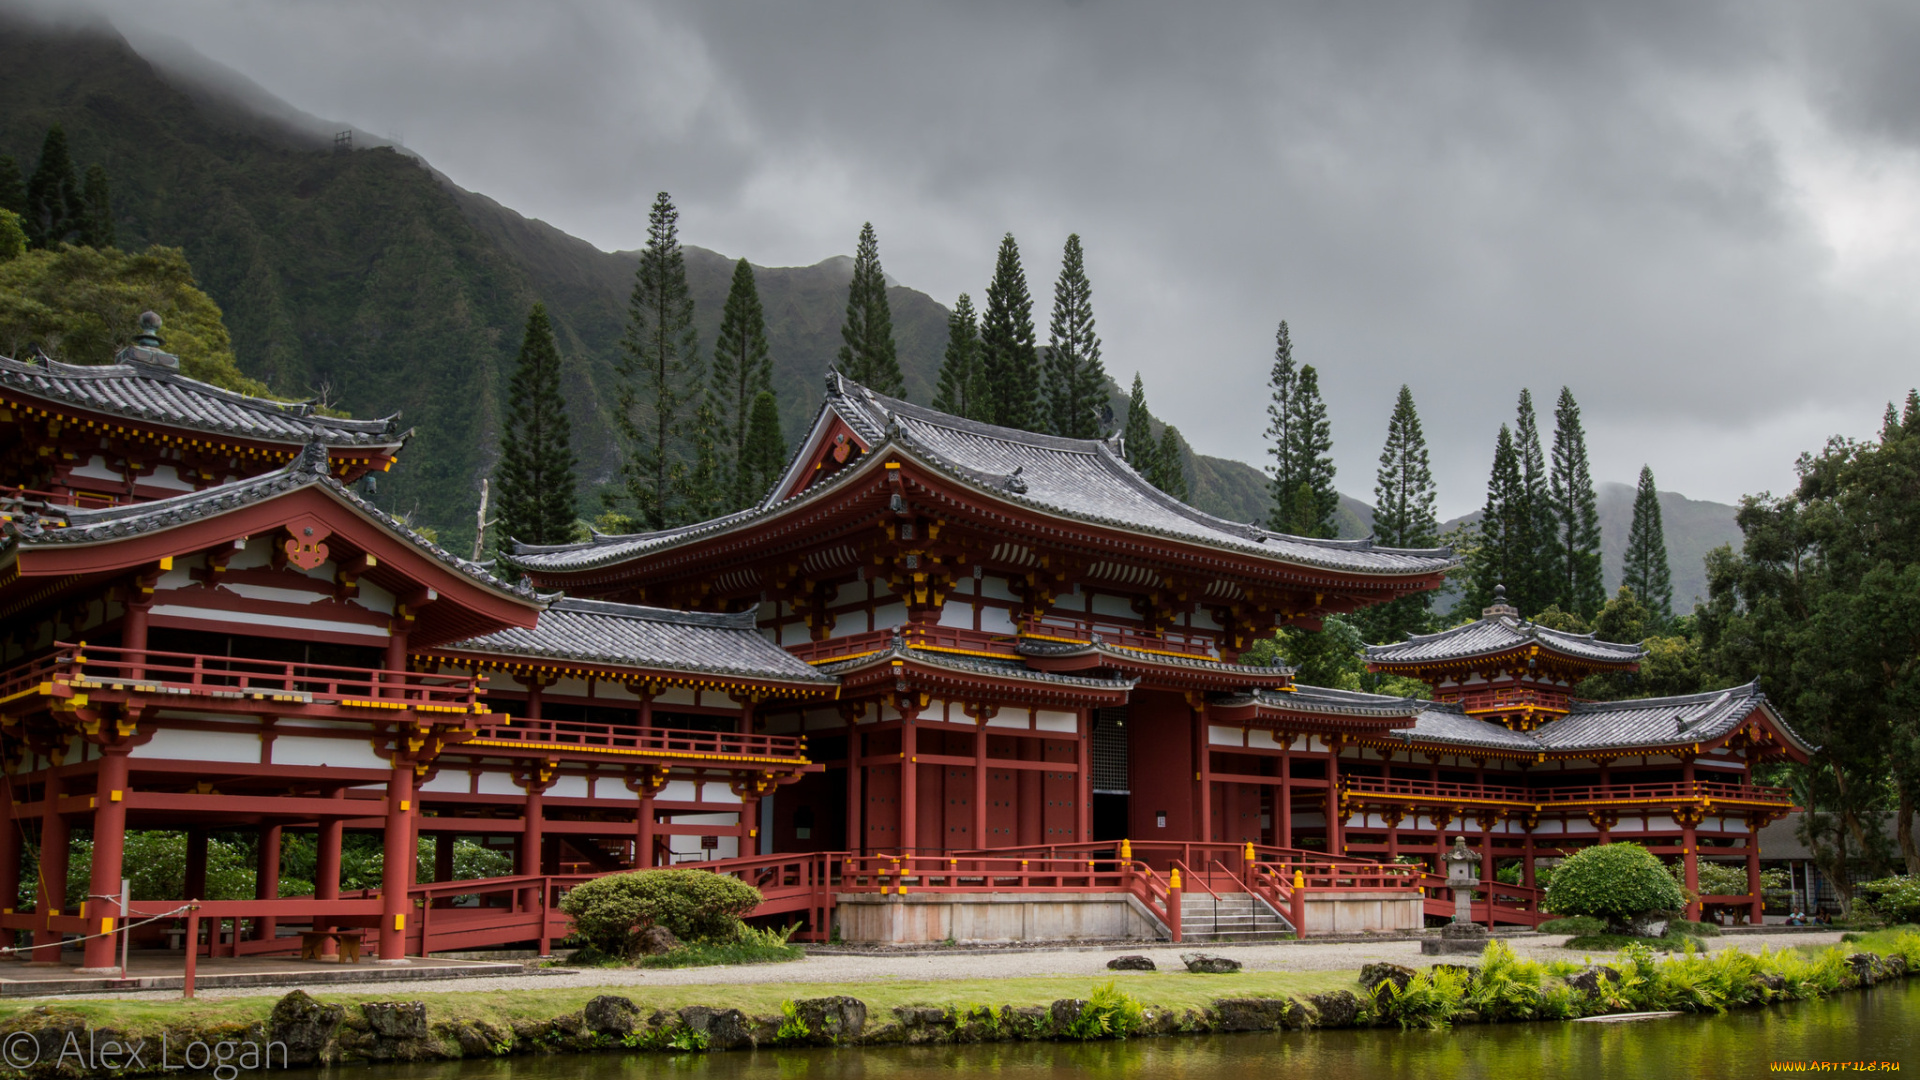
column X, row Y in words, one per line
column 1462, row 935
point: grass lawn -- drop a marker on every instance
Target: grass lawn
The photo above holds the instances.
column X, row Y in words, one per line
column 1177, row 990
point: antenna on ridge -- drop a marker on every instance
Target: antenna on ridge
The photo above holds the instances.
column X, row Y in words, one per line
column 342, row 142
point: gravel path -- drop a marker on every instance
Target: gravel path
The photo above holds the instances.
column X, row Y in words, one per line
column 995, row 964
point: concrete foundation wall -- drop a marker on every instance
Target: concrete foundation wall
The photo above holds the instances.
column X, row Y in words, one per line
column 984, row 917
column 1353, row 912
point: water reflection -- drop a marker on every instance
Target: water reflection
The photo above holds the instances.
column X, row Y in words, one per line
column 1878, row 1025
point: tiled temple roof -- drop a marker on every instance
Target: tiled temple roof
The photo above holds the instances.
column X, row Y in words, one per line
column 76, row 526
column 1001, row 669
column 1497, row 634
column 1040, row 649
column 628, row 635
column 1084, row 480
column 139, row 390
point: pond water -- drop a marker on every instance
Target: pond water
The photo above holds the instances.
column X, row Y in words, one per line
column 1881, row 1025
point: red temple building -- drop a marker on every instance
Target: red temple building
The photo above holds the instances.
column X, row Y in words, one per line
column 940, row 662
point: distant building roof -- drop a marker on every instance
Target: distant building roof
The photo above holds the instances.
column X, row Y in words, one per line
column 138, row 390
column 1084, row 480
column 629, row 635
column 1497, row 634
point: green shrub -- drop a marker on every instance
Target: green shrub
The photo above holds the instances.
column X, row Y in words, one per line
column 1110, row 1013
column 1430, row 999
column 698, row 906
column 1574, row 925
column 1613, row 881
column 1895, row 899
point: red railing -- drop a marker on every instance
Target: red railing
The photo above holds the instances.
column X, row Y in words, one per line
column 194, row 675
column 1493, row 902
column 842, row 648
column 567, row 734
column 913, row 635
column 1504, row 698
column 1540, row 798
column 23, row 496
column 1092, row 630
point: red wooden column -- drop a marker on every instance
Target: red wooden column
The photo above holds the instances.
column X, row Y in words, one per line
column 1690, row 842
column 1757, row 911
column 979, row 779
column 856, row 839
column 533, row 816
column 1526, row 860
column 909, row 786
column 51, row 894
column 1203, row 771
column 1336, row 830
column 326, row 866
column 98, row 954
column 266, row 880
column 396, row 872
column 1285, row 836
column 1083, row 796
column 196, row 872
column 10, row 848
column 133, row 633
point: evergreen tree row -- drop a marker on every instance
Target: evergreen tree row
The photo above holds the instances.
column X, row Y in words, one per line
column 54, row 205
column 1161, row 461
column 1300, row 441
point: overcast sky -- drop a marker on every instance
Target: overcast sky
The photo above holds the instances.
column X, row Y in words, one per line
column 1703, row 218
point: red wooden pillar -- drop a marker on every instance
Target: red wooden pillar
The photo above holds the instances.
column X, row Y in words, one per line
column 1757, row 909
column 643, row 830
column 909, row 787
column 51, row 896
column 109, row 840
column 1083, row 789
column 1526, row 861
column 1285, row 836
column 326, row 867
column 266, row 880
column 1336, row 829
column 979, row 781
column 10, row 848
column 396, row 872
column 1690, row 843
column 533, row 816
column 856, row 840
column 133, row 634
column 1203, row 774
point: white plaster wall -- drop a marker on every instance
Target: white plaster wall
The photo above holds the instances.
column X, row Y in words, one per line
column 1054, row 720
column 179, row 745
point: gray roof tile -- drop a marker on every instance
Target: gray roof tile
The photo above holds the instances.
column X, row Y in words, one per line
column 628, row 635
column 1667, row 721
column 141, row 391
column 1497, row 634
column 1004, row 669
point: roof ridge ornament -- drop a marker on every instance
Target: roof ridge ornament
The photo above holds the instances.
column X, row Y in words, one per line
column 1499, row 606
column 1014, row 483
column 146, row 347
column 313, row 459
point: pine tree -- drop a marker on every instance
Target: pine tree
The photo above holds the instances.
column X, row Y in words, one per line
column 1076, row 381
column 742, row 369
column 1009, row 361
column 1315, row 500
column 1403, row 516
column 1646, row 571
column 536, row 474
column 96, row 224
column 1283, row 474
column 55, row 207
column 1532, row 587
column 659, row 373
column 1495, row 558
column 1576, row 526
column 766, row 450
column 1136, row 440
column 960, row 392
column 13, row 187
column 705, row 489
column 868, row 356
column 1170, row 473
column 1403, row 492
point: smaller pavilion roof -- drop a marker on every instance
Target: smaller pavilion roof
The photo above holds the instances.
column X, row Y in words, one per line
column 629, row 635
column 1497, row 634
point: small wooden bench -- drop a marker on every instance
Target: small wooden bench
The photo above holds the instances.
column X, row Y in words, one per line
column 349, row 940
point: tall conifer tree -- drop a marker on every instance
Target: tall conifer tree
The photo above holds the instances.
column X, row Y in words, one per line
column 1502, row 532
column 1403, row 516
column 13, row 187
column 868, row 356
column 960, row 391
column 659, row 370
column 1315, row 500
column 1283, row 473
column 706, row 490
column 96, row 222
column 1646, row 571
column 1532, row 588
column 55, row 205
column 766, row 450
column 537, row 481
column 1170, row 473
column 1009, row 359
column 1576, row 534
column 1136, row 439
column 1076, row 381
column 742, row 369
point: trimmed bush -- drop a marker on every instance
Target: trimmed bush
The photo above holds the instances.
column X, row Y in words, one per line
column 697, row 905
column 1895, row 899
column 1614, row 882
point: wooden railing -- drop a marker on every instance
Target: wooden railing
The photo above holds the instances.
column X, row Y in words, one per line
column 567, row 734
column 1501, row 699
column 1494, row 901
column 94, row 667
column 11, row 496
column 1568, row 797
column 842, row 648
column 1066, row 627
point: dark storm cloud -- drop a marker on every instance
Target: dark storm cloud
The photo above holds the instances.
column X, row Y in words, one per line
column 1698, row 216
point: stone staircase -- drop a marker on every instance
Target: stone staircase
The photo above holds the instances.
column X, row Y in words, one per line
column 1234, row 918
